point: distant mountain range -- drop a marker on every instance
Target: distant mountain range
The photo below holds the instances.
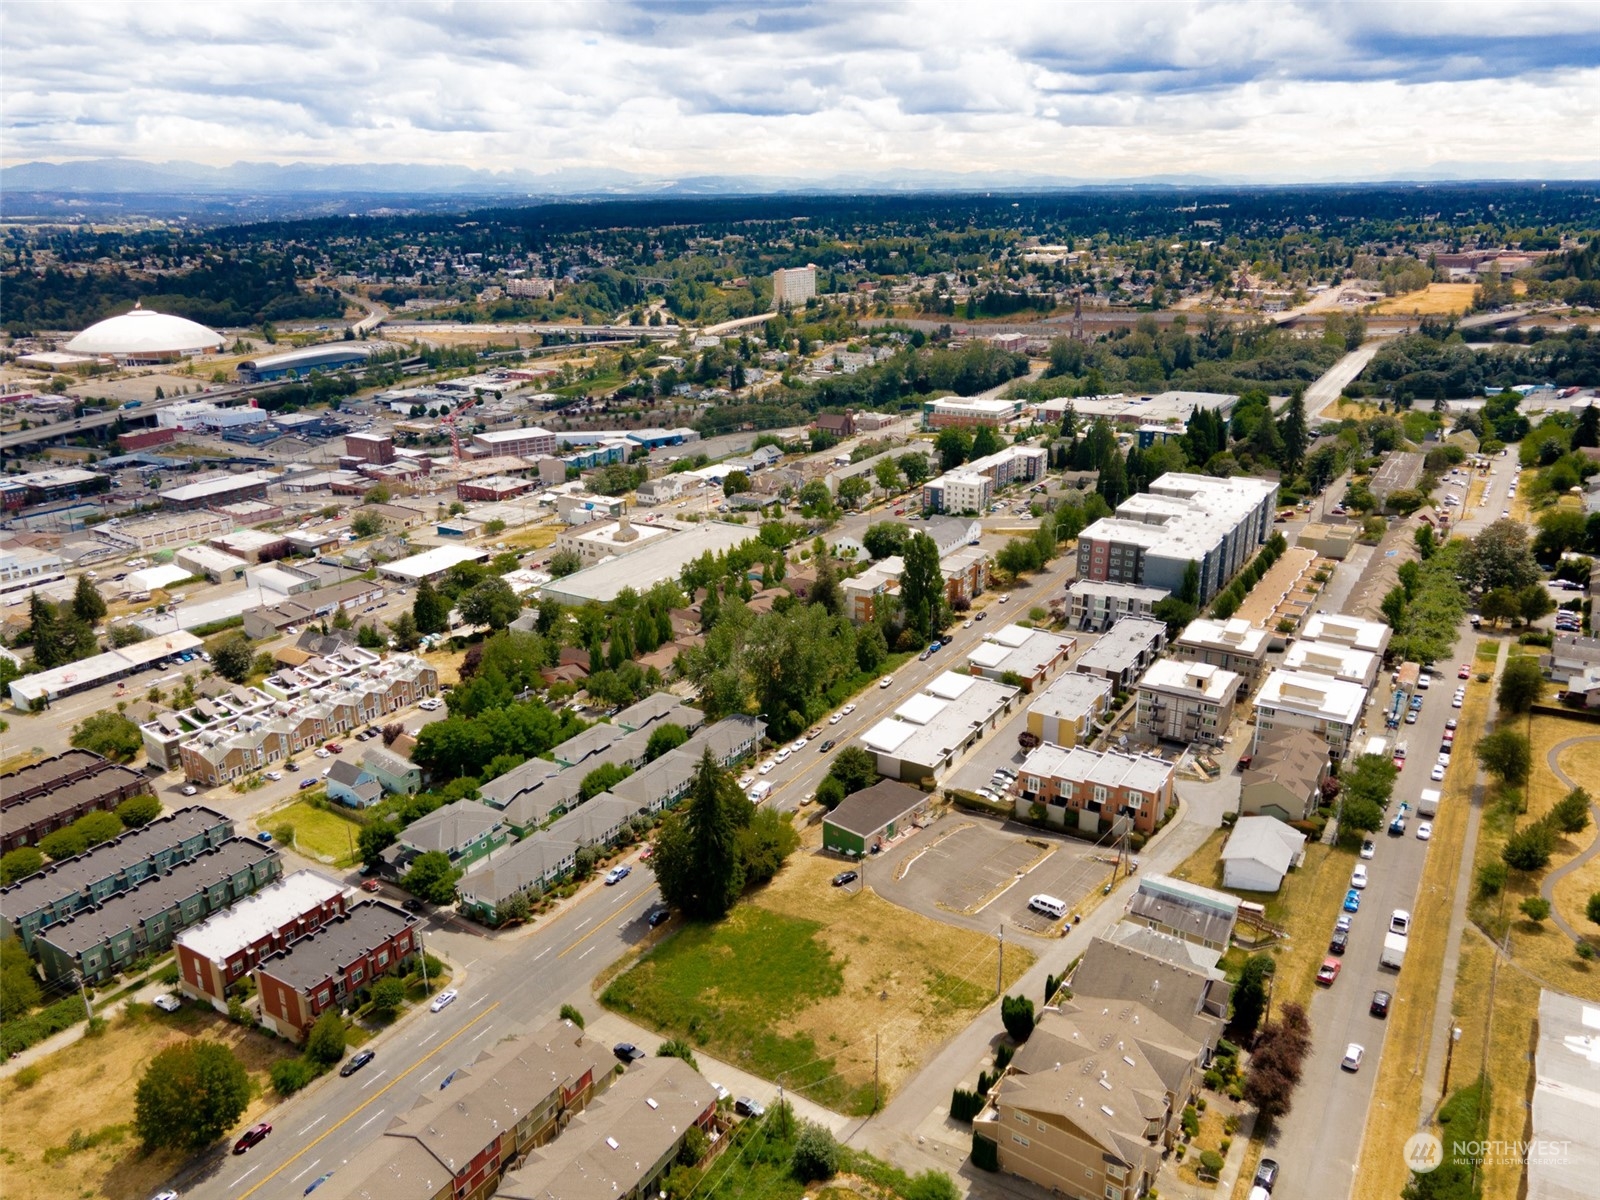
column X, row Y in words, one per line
column 121, row 176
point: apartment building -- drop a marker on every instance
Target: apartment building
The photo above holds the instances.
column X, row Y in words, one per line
column 63, row 888
column 1124, row 651
column 529, row 442
column 1065, row 712
column 1303, row 700
column 1012, row 654
column 1095, row 607
column 1190, row 702
column 971, row 488
column 794, row 285
column 78, row 783
column 1234, row 645
column 1217, row 524
column 325, row 967
column 224, row 948
column 1091, row 789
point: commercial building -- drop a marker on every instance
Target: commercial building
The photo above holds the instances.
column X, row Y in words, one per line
column 1186, row 702
column 1094, row 607
column 1065, row 713
column 529, row 442
column 492, row 489
column 145, row 336
column 501, row 1107
column 297, row 364
column 955, row 411
column 376, row 449
column 930, row 730
column 663, row 558
column 1171, row 410
column 867, row 821
column 1303, row 700
column 167, row 529
column 97, row 942
column 223, row 489
column 1401, row 471
column 42, row 487
column 326, row 967
column 430, row 564
column 224, row 948
column 23, row 568
column 1124, row 651
column 1094, row 789
column 213, row 564
column 793, row 285
column 1021, row 656
column 1216, row 524
column 1093, row 1099
column 1234, row 645
column 1284, row 776
column 1259, row 853
column 63, row 888
column 611, row 539
column 81, row 783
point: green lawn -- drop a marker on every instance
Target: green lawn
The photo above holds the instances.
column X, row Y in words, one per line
column 729, row 986
column 321, row 834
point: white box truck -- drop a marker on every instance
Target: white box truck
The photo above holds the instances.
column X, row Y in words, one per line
column 1394, row 950
column 1428, row 802
column 760, row 792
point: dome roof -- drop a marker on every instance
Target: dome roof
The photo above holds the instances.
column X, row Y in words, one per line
column 145, row 332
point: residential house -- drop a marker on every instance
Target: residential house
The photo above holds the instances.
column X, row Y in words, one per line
column 351, row 785
column 396, row 773
column 1158, row 971
column 1259, row 853
column 1024, row 657
column 1304, row 700
column 327, row 967
column 464, row 832
column 1185, row 910
column 529, row 868
column 53, row 793
column 1284, row 776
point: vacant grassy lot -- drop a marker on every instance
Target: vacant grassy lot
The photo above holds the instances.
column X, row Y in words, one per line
column 1436, row 299
column 87, row 1089
column 323, row 835
column 796, row 982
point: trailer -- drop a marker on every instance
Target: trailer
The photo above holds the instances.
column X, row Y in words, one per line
column 1394, row 951
column 1428, row 802
column 1408, row 676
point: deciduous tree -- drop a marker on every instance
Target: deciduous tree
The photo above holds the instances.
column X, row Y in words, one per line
column 189, row 1095
column 432, row 878
column 1521, row 684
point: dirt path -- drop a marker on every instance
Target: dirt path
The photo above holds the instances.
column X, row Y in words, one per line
column 1548, row 888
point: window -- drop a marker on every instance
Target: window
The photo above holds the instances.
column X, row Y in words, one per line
column 1023, row 1118
column 1020, row 1140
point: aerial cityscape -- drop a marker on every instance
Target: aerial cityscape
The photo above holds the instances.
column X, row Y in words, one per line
column 884, row 602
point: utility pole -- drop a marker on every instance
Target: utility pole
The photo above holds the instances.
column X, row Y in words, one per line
column 876, row 1094
column 1000, row 970
column 423, row 953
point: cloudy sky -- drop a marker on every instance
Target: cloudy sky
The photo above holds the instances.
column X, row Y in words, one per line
column 1267, row 91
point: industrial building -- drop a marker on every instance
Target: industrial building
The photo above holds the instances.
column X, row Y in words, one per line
column 929, row 731
column 663, row 558
column 223, row 489
column 296, row 364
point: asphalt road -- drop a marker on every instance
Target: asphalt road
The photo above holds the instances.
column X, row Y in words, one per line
column 1319, row 1143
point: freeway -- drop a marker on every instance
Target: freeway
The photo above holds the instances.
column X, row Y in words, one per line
column 1319, row 1142
column 223, row 394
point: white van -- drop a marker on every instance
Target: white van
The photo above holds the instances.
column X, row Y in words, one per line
column 1048, row 905
column 760, row 792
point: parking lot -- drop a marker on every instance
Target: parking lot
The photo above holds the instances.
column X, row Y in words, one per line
column 972, row 872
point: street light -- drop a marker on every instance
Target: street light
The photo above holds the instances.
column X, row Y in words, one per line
column 1449, row 1053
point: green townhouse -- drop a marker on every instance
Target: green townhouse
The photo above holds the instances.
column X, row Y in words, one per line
column 464, row 832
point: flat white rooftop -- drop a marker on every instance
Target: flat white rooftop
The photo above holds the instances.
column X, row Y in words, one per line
column 431, row 562
column 1235, row 636
column 1108, row 768
column 642, row 569
column 260, row 915
column 1357, row 632
column 219, row 486
column 1203, row 681
column 1312, row 695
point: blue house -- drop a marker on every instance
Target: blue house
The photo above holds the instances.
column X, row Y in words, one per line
column 353, row 786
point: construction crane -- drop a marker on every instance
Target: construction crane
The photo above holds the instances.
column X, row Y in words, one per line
column 449, row 422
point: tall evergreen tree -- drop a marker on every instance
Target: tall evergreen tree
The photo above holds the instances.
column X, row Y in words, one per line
column 86, row 602
column 984, row 442
column 1586, row 433
column 45, row 626
column 713, row 826
column 1294, row 432
column 430, row 610
column 1113, row 485
column 1069, row 421
column 921, row 584
column 1101, row 443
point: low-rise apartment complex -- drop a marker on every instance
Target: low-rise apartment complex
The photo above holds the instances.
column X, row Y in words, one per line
column 324, row 968
column 1092, row 789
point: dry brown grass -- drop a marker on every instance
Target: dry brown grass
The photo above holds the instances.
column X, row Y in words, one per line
column 1434, row 300
column 89, row 1086
column 447, row 663
column 1350, row 410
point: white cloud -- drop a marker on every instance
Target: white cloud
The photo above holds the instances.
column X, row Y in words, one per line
column 809, row 90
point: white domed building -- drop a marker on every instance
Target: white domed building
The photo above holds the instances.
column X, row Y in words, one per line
column 144, row 336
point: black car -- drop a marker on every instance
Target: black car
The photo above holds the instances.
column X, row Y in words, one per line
column 1380, row 1004
column 746, row 1107
column 413, row 905
column 826, row 746
column 627, row 1052
column 359, row 1060
column 1266, row 1174
column 1340, row 940
column 844, row 877
column 659, row 917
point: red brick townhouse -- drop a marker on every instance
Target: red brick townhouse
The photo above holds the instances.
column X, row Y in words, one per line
column 326, row 968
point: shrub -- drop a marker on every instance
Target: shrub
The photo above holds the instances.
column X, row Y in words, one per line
column 816, row 1154
column 1191, row 1122
column 677, row 1048
column 694, row 1148
column 985, row 1154
column 1491, row 878
column 27, row 1077
column 1016, row 1014
column 1535, row 908
column 388, row 994
column 570, row 1013
column 325, row 1043
column 289, row 1075
column 1210, row 1163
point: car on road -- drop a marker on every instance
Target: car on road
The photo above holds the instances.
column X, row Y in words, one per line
column 1005, row 597
column 835, row 719
column 1342, row 925
column 369, row 885
column 1266, row 1174
column 983, row 616
column 847, row 710
column 826, row 746
column 1368, row 848
column 293, row 766
column 358, row 1060
column 1353, row 1054
column 627, row 1052
column 320, row 752
column 1352, row 901
column 745, row 781
column 658, row 917
column 251, row 1136
column 273, row 775
column 1397, row 827
column 844, row 877
column 1424, row 831
column 885, row 681
column 1437, row 774
column 189, row 789
column 1339, row 942
column 307, row 783
column 1464, row 672
column 618, row 874
column 766, row 767
column 1358, row 877
column 168, row 1194
column 443, row 1000
column 967, row 624
column 430, row 704
column 1328, row 971
column 168, row 1003
column 1380, row 1004
column 413, row 905
column 746, row 1107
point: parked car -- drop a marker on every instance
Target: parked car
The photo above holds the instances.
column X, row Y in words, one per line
column 369, row 885
column 168, row 1003
column 1353, row 1054
column 189, row 789
column 746, row 1107
column 627, row 1052
column 251, row 1136
column 1368, row 848
column 274, row 775
column 1352, row 901
column 358, row 1060
column 443, row 1000
column 320, row 752
column 263, row 836
column 1380, row 1004
column 1342, row 925
column 307, row 783
column 1464, row 672
column 1328, row 971
column 1339, row 943
column 1424, row 831
column 1266, row 1174
column 844, row 877
column 413, row 905
column 658, row 916
column 618, row 874
column 885, row 681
